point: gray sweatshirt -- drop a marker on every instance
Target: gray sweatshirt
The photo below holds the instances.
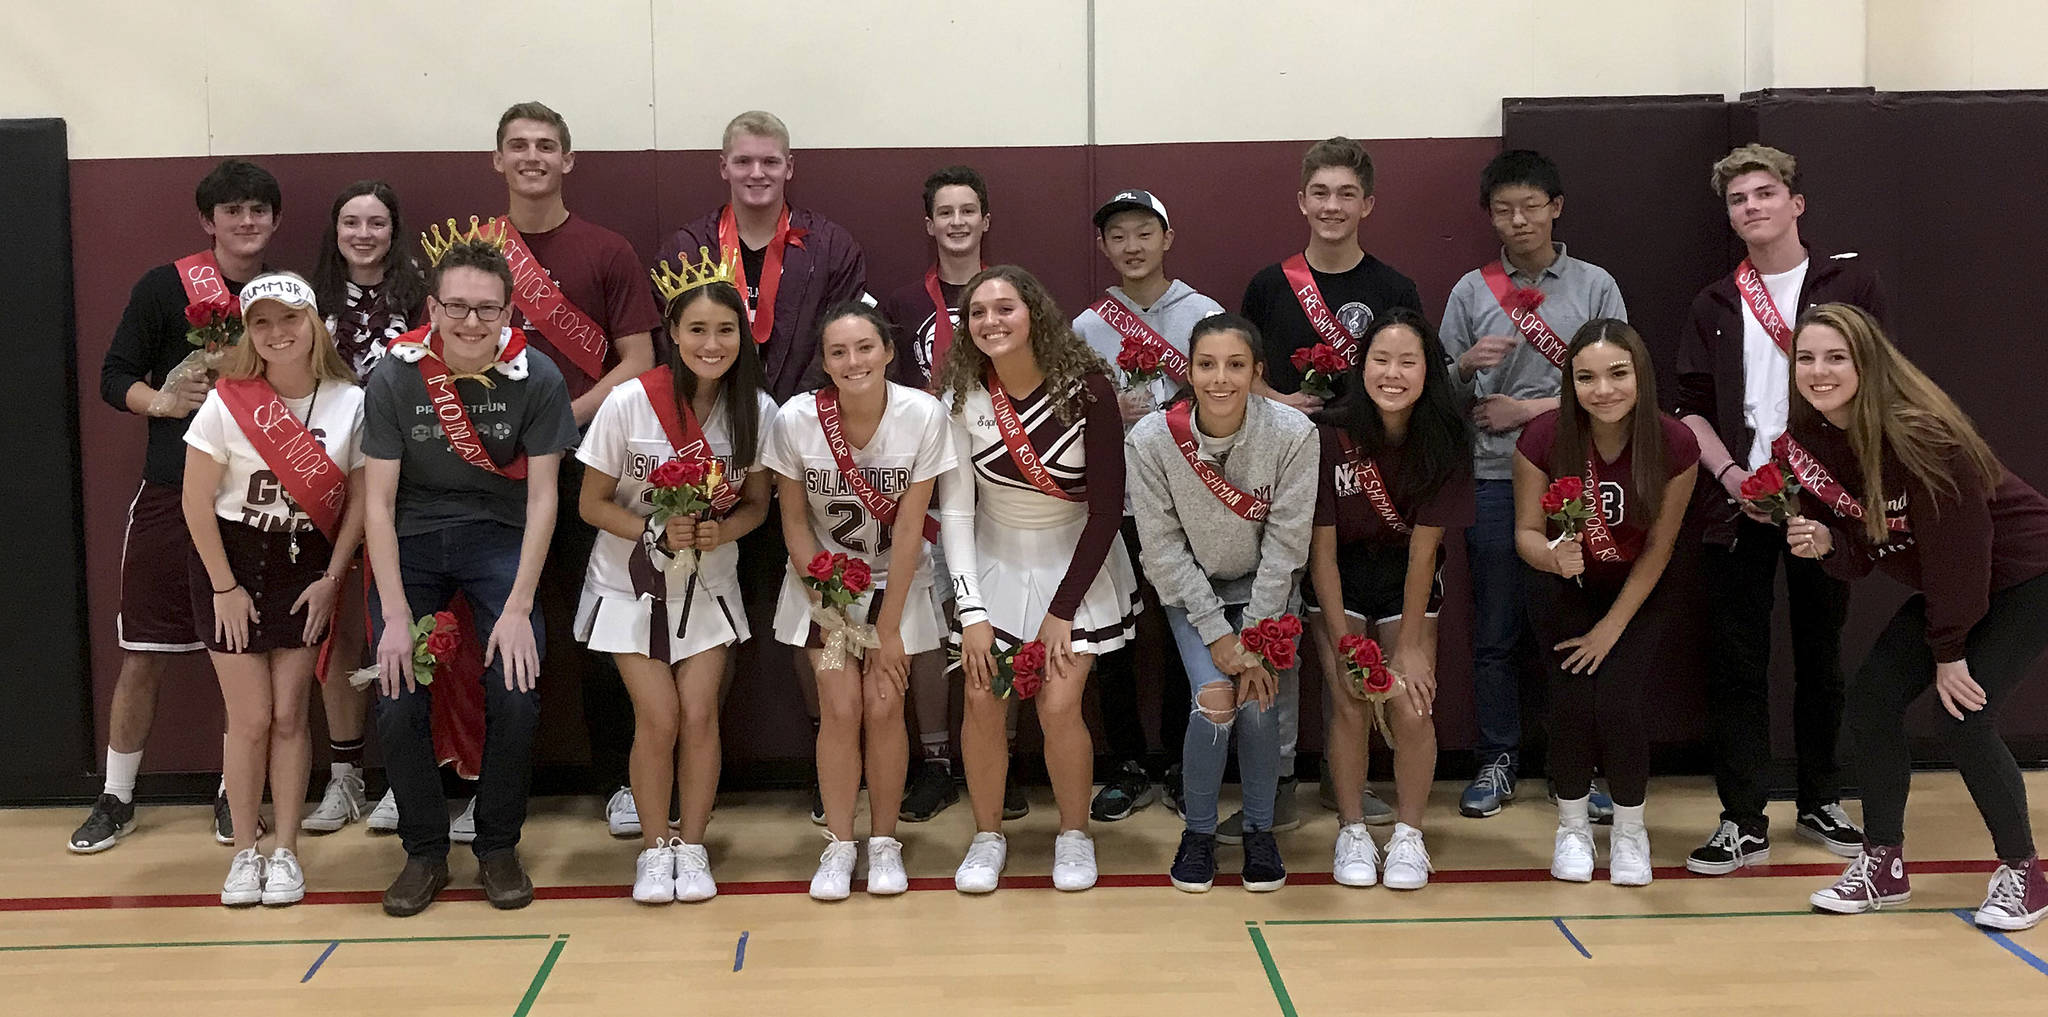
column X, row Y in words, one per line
column 1198, row 553
column 1173, row 316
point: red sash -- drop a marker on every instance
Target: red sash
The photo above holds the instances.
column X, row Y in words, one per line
column 315, row 484
column 1533, row 328
column 1320, row 317
column 1598, row 536
column 447, row 402
column 1750, row 284
column 1019, row 443
column 1822, row 484
column 881, row 508
column 1179, row 423
column 1134, row 329
column 200, row 275
column 1375, row 488
column 771, row 265
column 942, row 325
column 562, row 323
column 684, row 434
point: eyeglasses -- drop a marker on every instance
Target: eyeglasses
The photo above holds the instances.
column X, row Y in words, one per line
column 485, row 313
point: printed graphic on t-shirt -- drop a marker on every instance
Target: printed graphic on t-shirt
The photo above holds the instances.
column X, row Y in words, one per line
column 264, row 492
column 1613, row 502
column 1356, row 318
column 430, row 430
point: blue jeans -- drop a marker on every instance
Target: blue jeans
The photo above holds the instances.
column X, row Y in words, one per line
column 1206, row 746
column 1499, row 617
column 479, row 560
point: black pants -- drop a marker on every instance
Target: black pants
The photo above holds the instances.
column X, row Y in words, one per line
column 1741, row 580
column 1116, row 679
column 1596, row 720
column 2001, row 648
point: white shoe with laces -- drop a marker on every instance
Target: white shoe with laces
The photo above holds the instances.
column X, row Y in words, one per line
column 1407, row 866
column 244, row 885
column 886, row 877
column 834, row 880
column 1073, row 861
column 384, row 818
column 622, row 814
column 979, row 872
column 462, row 830
column 693, row 872
column 1571, row 859
column 1357, row 861
column 341, row 804
column 283, row 881
column 654, row 879
column 1628, row 855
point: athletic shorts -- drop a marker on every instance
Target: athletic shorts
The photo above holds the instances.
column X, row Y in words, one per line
column 156, row 607
column 1373, row 576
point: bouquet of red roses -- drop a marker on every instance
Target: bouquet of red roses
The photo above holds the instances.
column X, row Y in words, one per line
column 1370, row 677
column 1020, row 671
column 215, row 325
column 1272, row 642
column 1773, row 489
column 839, row 580
column 1139, row 364
column 1566, row 505
column 435, row 641
column 1320, row 366
column 683, row 487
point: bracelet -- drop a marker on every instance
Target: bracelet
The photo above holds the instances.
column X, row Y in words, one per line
column 1724, row 469
column 231, row 588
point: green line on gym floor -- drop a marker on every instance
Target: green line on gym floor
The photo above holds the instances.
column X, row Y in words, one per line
column 173, row 944
column 540, row 977
column 1575, row 918
column 1272, row 972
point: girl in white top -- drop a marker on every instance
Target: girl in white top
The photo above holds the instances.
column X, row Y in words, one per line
column 1031, row 522
column 669, row 632
column 268, row 574
column 862, row 492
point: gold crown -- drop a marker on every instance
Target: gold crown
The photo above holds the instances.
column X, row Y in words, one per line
column 672, row 283
column 493, row 233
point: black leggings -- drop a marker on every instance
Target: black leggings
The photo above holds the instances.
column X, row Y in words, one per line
column 2001, row 648
column 1597, row 718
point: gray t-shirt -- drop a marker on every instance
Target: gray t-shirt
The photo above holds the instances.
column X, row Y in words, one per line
column 436, row 487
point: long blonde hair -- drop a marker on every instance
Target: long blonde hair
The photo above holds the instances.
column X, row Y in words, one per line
column 1895, row 407
column 242, row 360
column 1060, row 354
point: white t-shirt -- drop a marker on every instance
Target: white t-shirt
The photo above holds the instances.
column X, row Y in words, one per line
column 1766, row 370
column 912, row 444
column 626, row 441
column 249, row 491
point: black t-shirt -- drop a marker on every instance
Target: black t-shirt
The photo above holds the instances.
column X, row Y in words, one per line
column 1358, row 298
column 752, row 261
column 148, row 344
column 911, row 310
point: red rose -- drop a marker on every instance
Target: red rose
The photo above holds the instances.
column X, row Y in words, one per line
column 668, row 474
column 1280, row 654
column 1768, row 481
column 1327, row 360
column 1027, row 684
column 1028, row 660
column 821, row 567
column 199, row 315
column 446, row 637
column 1525, row 299
column 1562, row 490
column 1127, row 359
column 1148, row 359
column 1553, row 502
column 691, row 471
column 1379, row 679
column 1253, row 638
column 857, row 576
column 1290, row 626
column 1303, row 359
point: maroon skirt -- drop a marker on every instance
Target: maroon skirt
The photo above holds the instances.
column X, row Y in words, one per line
column 262, row 562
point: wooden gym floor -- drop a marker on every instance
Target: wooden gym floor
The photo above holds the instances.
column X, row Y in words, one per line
column 139, row 930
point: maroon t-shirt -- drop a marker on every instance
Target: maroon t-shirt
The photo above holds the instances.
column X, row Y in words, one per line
column 597, row 271
column 1341, row 500
column 1627, row 521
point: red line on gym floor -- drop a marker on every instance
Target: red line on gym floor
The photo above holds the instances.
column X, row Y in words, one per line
column 931, row 883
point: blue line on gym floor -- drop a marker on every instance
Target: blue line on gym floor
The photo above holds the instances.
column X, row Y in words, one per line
column 324, row 954
column 2004, row 940
column 739, row 953
column 1574, row 940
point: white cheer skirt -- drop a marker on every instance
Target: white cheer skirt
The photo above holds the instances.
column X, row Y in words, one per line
column 793, row 624
column 619, row 623
column 1021, row 570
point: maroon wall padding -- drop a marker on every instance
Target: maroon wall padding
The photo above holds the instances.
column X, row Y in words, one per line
column 1232, row 206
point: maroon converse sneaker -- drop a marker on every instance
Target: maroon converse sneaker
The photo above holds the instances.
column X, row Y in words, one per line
column 2017, row 900
column 1877, row 878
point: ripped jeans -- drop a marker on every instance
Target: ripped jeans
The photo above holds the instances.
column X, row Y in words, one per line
column 1207, row 745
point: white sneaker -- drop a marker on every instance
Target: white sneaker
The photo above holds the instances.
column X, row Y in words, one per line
column 886, row 877
column 654, row 879
column 1408, row 865
column 1358, row 860
column 1073, row 861
column 341, row 804
column 622, row 814
column 1628, row 855
column 283, row 881
column 693, row 872
column 834, row 880
column 462, row 830
column 244, row 885
column 384, row 818
column 1572, row 858
column 987, row 853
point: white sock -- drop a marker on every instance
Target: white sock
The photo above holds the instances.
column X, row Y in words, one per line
column 1571, row 812
column 1628, row 816
column 121, row 770
column 344, row 770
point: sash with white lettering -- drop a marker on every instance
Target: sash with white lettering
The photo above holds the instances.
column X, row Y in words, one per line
column 448, row 411
column 1320, row 317
column 548, row 310
column 1248, row 506
column 1134, row 329
column 303, row 469
column 942, row 325
column 1750, row 284
column 881, row 508
column 1533, row 328
column 1375, row 488
column 771, row 265
column 200, row 275
column 684, row 434
column 1011, row 427
column 1597, row 535
column 1822, row 484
